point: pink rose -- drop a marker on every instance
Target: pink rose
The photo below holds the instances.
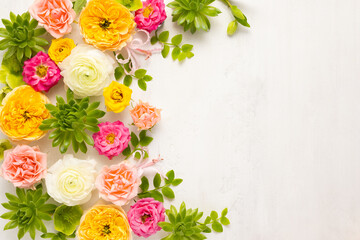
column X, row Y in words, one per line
column 41, row 73
column 118, row 183
column 151, row 15
column 112, row 139
column 145, row 215
column 24, row 166
column 145, row 116
column 55, row 15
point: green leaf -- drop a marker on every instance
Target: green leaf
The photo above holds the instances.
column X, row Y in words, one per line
column 177, row 182
column 187, row 47
column 79, row 5
column 165, row 51
column 242, row 21
column 224, row 221
column 175, row 53
column 119, row 72
column 170, row 175
column 182, row 56
column 176, row 40
column 154, row 40
column 142, row 84
column 132, row 5
column 232, row 27
column 145, row 141
column 147, row 78
column 127, row 151
column 168, row 192
column 157, row 180
column 8, row 215
column 142, row 134
column 140, row 73
column 128, row 80
column 164, row 36
column 134, row 139
column 144, row 186
column 167, row 227
column 66, row 218
column 39, row 31
column 214, row 215
column 237, row 12
column 224, row 212
column 157, row 196
column 11, row 225
column 217, row 227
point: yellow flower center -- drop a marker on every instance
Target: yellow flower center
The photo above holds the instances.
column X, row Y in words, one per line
column 61, row 49
column 106, row 230
column 41, row 71
column 145, row 217
column 147, row 11
column 26, row 115
column 104, row 23
column 117, row 95
column 110, row 138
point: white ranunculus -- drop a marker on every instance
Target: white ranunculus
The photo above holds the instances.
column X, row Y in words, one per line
column 70, row 181
column 87, row 70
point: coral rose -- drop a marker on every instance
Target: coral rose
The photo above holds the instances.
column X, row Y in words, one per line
column 112, row 139
column 145, row 215
column 118, row 183
column 55, row 15
column 117, row 97
column 145, row 116
column 41, row 72
column 151, row 15
column 104, row 222
column 24, row 166
column 106, row 24
column 61, row 49
column 22, row 112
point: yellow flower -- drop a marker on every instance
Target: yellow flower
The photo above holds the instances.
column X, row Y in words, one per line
column 106, row 24
column 117, row 97
column 104, row 222
column 60, row 49
column 21, row 113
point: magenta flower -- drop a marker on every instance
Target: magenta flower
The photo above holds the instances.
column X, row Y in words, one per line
column 41, row 73
column 145, row 215
column 151, row 15
column 112, row 139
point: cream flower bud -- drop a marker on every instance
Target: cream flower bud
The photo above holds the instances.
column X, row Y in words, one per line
column 70, row 181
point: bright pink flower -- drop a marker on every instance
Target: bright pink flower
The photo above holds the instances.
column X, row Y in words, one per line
column 41, row 72
column 118, row 183
column 112, row 139
column 151, row 15
column 145, row 116
column 24, row 166
column 55, row 15
column 145, row 215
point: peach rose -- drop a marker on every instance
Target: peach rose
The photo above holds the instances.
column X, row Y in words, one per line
column 24, row 166
column 118, row 183
column 55, row 15
column 145, row 116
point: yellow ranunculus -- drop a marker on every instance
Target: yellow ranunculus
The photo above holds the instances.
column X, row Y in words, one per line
column 104, row 222
column 106, row 24
column 60, row 49
column 22, row 112
column 117, row 97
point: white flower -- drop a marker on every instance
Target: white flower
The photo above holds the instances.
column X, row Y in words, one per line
column 70, row 181
column 87, row 70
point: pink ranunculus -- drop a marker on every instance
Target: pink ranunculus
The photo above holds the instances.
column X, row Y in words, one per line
column 151, row 15
column 145, row 116
column 118, row 183
column 24, row 166
column 55, row 15
column 112, row 139
column 145, row 215
column 41, row 73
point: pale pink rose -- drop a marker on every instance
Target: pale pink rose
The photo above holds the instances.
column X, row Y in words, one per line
column 55, row 15
column 118, row 183
column 24, row 166
column 145, row 116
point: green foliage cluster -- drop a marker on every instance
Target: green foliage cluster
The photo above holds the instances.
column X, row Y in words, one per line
column 78, row 5
column 239, row 17
column 160, row 191
column 21, row 37
column 27, row 211
column 140, row 75
column 137, row 143
column 57, row 236
column 67, row 218
column 4, row 145
column 184, row 224
column 193, row 14
column 70, row 120
column 179, row 52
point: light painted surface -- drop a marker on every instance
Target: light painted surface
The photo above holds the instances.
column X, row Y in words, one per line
column 266, row 122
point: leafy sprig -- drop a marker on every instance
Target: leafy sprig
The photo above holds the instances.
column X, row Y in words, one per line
column 57, row 236
column 70, row 120
column 27, row 210
column 67, row 218
column 193, row 14
column 184, row 224
column 78, row 5
column 137, row 144
column 160, row 191
column 179, row 52
column 140, row 75
column 239, row 18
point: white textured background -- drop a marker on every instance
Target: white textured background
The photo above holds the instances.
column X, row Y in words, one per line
column 266, row 122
